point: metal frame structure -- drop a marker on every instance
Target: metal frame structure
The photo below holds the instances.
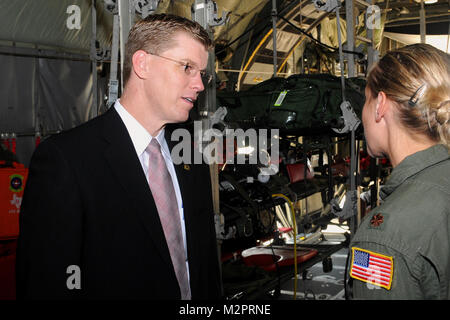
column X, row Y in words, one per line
column 372, row 55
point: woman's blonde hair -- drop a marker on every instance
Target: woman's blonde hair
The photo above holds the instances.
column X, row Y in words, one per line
column 417, row 79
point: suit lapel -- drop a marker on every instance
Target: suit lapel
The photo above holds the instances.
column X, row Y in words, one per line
column 125, row 165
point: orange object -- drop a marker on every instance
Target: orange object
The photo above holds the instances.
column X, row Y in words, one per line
column 12, row 184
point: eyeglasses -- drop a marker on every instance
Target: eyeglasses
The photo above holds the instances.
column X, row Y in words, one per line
column 189, row 70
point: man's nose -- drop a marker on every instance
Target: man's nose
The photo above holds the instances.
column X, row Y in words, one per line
column 197, row 82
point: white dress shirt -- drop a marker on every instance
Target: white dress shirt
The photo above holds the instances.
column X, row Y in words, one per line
column 141, row 139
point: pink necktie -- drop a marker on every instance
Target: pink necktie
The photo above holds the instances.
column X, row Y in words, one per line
column 163, row 192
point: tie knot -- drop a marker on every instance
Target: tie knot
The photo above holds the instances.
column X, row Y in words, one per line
column 154, row 146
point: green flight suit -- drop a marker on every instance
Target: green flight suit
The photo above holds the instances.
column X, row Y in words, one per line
column 411, row 228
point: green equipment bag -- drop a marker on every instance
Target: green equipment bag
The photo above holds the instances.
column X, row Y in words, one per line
column 251, row 107
column 298, row 104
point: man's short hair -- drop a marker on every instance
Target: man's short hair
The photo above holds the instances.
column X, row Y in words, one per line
column 155, row 34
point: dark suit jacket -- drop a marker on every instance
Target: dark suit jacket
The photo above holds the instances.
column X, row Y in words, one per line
column 87, row 203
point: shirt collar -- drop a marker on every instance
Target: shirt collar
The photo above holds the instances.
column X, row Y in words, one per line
column 412, row 165
column 138, row 134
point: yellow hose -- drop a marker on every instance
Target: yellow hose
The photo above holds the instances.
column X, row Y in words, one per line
column 254, row 53
column 291, row 206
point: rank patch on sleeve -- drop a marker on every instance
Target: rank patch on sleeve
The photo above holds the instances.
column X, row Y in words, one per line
column 372, row 267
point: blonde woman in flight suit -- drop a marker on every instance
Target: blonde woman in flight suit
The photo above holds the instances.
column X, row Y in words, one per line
column 401, row 250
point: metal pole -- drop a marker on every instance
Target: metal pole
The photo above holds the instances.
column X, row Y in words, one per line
column 94, row 57
column 354, row 217
column 113, row 85
column 274, row 34
column 114, row 48
column 372, row 53
column 423, row 30
column 341, row 55
column 126, row 19
column 206, row 107
column 349, row 17
column 301, row 26
column 448, row 34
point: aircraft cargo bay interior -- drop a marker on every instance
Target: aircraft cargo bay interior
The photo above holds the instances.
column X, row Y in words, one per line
column 275, row 166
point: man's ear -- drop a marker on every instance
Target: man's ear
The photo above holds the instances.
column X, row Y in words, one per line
column 381, row 107
column 140, row 63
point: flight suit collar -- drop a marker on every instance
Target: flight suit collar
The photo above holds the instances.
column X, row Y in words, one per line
column 412, row 165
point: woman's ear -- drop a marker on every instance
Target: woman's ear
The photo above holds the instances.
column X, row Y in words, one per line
column 381, row 107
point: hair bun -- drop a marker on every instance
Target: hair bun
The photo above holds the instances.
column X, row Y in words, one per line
column 443, row 112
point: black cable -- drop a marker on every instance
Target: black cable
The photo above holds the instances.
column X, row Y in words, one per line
column 245, row 32
column 359, row 54
column 239, row 37
column 277, row 268
column 287, row 7
column 346, row 293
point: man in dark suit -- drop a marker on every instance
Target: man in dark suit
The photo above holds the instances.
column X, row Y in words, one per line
column 91, row 223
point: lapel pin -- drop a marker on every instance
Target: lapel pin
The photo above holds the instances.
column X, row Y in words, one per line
column 187, row 167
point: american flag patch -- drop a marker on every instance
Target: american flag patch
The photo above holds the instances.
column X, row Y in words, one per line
column 372, row 267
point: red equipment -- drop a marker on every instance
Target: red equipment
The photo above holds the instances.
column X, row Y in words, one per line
column 12, row 184
column 264, row 257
